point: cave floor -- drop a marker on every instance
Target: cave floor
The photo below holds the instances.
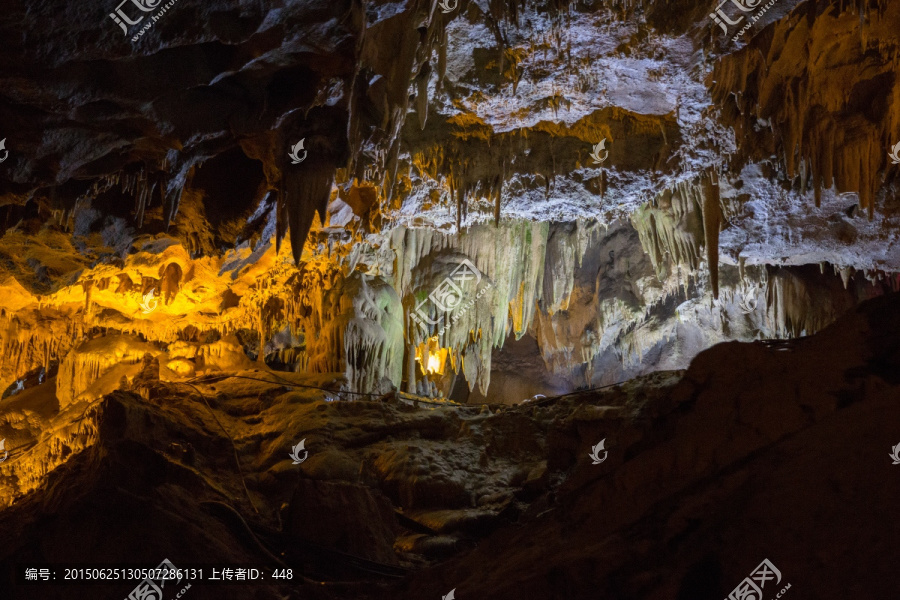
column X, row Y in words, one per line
column 758, row 451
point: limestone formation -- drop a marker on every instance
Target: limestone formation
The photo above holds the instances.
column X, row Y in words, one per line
column 452, row 245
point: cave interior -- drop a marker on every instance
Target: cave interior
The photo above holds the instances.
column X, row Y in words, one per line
column 450, row 299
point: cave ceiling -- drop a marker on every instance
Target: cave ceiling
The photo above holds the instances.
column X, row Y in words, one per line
column 633, row 181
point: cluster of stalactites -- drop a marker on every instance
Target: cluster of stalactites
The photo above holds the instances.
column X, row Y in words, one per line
column 27, row 471
column 806, row 106
column 34, row 339
column 143, row 182
column 521, row 271
column 678, row 225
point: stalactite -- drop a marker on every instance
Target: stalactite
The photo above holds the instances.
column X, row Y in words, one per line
column 712, row 222
column 305, row 192
column 678, row 223
column 421, row 82
column 459, row 208
column 498, row 194
column 174, row 200
column 442, row 59
column 786, row 90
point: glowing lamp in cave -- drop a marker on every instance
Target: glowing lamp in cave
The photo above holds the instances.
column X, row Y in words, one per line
column 431, row 357
column 434, row 363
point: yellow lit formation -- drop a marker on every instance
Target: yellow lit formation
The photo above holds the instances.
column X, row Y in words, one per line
column 431, row 357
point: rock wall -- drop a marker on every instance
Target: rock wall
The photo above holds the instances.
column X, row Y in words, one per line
column 602, row 302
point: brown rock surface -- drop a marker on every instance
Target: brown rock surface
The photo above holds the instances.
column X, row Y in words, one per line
column 764, row 450
column 345, row 517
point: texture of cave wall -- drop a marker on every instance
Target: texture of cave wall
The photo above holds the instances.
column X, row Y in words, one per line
column 725, row 209
column 742, row 455
column 747, row 194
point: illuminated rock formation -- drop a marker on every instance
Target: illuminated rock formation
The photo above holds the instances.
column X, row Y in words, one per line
column 491, row 113
column 420, row 236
